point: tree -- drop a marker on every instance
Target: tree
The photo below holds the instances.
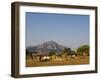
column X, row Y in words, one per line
column 51, row 53
column 83, row 49
column 67, row 51
column 27, row 53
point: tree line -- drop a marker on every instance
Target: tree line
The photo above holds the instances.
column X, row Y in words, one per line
column 84, row 49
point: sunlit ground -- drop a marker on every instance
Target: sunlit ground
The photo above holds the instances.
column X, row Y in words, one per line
column 80, row 60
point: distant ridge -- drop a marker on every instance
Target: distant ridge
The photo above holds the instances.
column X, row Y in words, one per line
column 46, row 47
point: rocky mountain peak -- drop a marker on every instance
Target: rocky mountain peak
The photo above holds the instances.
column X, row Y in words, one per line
column 46, row 47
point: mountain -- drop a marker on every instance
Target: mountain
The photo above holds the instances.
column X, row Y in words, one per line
column 46, row 47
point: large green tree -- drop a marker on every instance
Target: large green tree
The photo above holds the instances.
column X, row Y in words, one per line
column 83, row 49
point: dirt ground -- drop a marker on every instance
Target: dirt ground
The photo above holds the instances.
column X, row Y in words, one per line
column 71, row 61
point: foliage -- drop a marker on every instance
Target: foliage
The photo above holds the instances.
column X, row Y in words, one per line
column 27, row 53
column 52, row 53
column 82, row 49
column 67, row 51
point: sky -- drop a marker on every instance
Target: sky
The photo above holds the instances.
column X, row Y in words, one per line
column 69, row 30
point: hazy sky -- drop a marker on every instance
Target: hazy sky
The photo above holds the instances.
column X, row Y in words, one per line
column 65, row 29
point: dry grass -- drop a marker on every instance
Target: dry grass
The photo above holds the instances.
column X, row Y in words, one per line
column 71, row 61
